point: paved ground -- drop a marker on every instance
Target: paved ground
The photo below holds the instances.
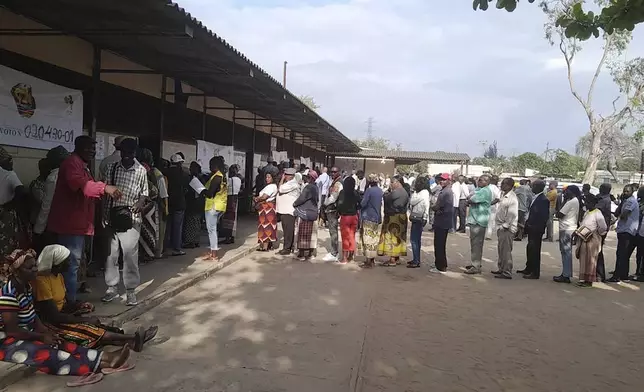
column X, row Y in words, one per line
column 275, row 324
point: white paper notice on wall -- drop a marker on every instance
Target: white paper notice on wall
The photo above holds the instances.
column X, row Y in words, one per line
column 273, row 143
column 207, row 150
column 100, row 147
column 240, row 161
column 38, row 114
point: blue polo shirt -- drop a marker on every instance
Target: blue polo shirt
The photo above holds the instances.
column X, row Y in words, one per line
column 631, row 223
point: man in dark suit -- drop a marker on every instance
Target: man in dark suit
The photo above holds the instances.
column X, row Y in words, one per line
column 535, row 226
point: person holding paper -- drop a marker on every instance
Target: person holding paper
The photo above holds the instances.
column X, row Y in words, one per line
column 194, row 209
column 216, row 193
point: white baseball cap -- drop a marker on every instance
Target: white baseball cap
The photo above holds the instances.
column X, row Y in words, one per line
column 176, row 158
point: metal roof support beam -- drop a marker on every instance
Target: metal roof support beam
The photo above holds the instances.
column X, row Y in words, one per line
column 204, row 116
column 164, row 87
column 94, row 32
column 232, row 142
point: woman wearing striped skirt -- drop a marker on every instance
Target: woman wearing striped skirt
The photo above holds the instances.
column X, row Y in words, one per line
column 306, row 210
column 267, row 218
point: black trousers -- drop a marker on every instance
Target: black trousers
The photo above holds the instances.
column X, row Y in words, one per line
column 640, row 255
column 626, row 244
column 601, row 267
column 462, row 214
column 533, row 253
column 288, row 226
column 440, row 248
column 519, row 235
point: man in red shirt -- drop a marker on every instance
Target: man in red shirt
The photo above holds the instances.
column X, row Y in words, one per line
column 73, row 205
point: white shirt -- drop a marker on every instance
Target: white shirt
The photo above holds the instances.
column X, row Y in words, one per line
column 270, row 190
column 323, row 182
column 570, row 210
column 9, row 181
column 507, row 215
column 362, row 185
column 418, row 199
column 43, row 214
column 456, row 190
column 286, row 196
column 234, row 186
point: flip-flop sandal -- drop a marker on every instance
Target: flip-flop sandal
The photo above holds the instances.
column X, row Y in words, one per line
column 87, row 379
column 150, row 333
column 124, row 368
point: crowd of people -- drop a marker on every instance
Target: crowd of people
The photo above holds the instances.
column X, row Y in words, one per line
column 134, row 211
column 370, row 215
column 140, row 212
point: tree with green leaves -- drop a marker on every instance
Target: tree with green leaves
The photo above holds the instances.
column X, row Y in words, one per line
column 374, row 143
column 310, row 102
column 627, row 107
column 580, row 24
column 528, row 160
column 619, row 151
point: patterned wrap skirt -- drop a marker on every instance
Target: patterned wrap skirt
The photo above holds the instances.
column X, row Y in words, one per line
column 369, row 239
column 149, row 232
column 588, row 252
column 228, row 224
column 393, row 237
column 307, row 234
column 192, row 227
column 85, row 335
column 267, row 222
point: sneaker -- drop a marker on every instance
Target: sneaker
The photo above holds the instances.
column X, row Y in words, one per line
column 131, row 300
column 330, row 257
column 435, row 270
column 110, row 296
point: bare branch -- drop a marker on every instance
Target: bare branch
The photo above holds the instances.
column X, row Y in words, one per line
column 600, row 65
column 569, row 57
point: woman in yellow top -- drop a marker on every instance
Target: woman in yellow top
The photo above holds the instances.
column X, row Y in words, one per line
column 49, row 290
column 216, row 194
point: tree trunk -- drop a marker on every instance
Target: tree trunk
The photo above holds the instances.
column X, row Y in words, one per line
column 596, row 133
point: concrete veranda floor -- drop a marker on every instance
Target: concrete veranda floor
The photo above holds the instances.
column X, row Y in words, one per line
column 270, row 323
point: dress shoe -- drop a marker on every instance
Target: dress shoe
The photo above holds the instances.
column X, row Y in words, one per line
column 523, row 271
column 530, row 276
column 561, row 279
column 503, row 277
column 495, row 272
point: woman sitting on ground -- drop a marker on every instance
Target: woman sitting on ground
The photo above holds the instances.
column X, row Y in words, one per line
column 24, row 339
column 50, row 300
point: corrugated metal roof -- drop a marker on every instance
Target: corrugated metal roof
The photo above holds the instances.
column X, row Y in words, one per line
column 418, row 156
column 202, row 59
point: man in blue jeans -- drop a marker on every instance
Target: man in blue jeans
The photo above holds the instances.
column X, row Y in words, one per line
column 178, row 181
column 72, row 207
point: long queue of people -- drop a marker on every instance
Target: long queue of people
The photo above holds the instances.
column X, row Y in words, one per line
column 358, row 207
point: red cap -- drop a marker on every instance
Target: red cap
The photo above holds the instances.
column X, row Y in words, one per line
column 444, row 176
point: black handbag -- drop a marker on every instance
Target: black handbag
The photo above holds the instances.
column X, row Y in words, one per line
column 416, row 216
column 121, row 216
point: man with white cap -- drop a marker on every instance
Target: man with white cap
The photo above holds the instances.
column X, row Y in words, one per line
column 178, row 181
column 288, row 192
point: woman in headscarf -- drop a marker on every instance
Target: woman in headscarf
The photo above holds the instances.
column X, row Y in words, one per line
column 267, row 218
column 228, row 225
column 348, row 206
column 194, row 211
column 393, row 239
column 594, row 227
column 306, row 211
column 55, row 157
column 14, row 231
column 371, row 216
column 25, row 340
column 50, row 290
column 150, row 213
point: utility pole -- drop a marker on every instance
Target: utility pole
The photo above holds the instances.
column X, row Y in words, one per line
column 284, row 80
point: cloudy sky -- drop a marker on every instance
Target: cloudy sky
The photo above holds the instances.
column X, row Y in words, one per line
column 434, row 75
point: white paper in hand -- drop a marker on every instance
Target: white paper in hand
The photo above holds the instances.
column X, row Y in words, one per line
column 196, row 185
